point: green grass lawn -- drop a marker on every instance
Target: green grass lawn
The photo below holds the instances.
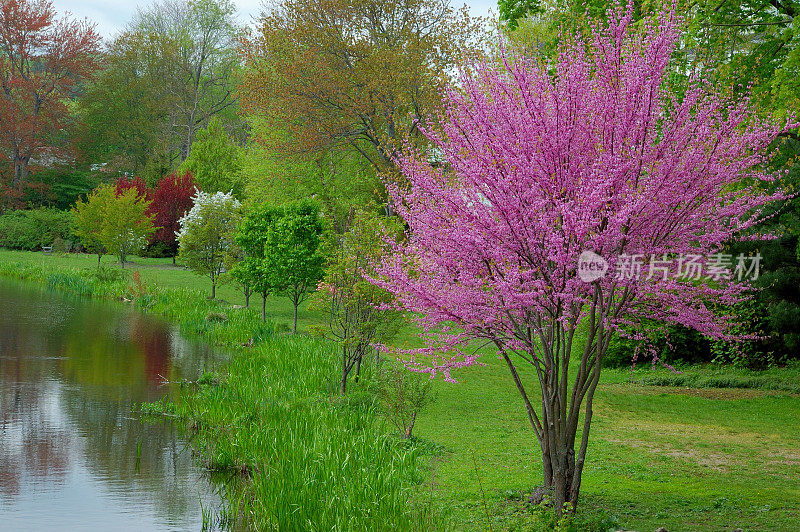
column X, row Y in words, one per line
column 685, row 459
column 690, row 454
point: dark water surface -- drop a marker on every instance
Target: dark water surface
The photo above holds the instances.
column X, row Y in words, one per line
column 70, row 371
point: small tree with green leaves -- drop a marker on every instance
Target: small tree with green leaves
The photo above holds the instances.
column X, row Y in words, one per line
column 234, row 257
column 87, row 219
column 251, row 238
column 403, row 394
column 127, row 224
column 120, row 224
column 357, row 311
column 292, row 254
column 206, row 234
column 215, row 160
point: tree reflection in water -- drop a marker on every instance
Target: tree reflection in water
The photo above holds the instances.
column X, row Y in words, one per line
column 70, row 372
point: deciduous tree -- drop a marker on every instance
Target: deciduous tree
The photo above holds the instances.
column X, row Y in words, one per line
column 207, row 232
column 120, row 223
column 590, row 155
column 215, row 160
column 127, row 224
column 164, row 77
column 358, row 313
column 43, row 62
column 88, row 219
column 251, row 238
column 171, row 199
column 199, row 39
column 362, row 74
column 292, row 255
column 124, row 184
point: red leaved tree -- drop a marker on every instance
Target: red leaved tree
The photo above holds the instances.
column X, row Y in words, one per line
column 127, row 183
column 573, row 199
column 42, row 62
column 171, row 200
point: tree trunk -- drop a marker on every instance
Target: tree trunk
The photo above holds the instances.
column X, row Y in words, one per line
column 556, row 429
column 20, row 170
column 294, row 326
column 410, row 427
column 264, row 306
column 343, row 387
column 98, row 259
column 247, row 297
column 358, row 366
column 173, row 260
column 213, row 289
column 561, row 473
column 347, row 367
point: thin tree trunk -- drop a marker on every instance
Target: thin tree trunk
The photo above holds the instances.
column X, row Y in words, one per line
column 213, row 289
column 264, row 306
column 358, row 366
column 343, row 387
column 410, row 427
column 345, row 371
column 294, row 327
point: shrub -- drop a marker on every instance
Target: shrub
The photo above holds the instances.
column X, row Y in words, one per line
column 404, row 394
column 671, row 343
column 63, row 187
column 29, row 230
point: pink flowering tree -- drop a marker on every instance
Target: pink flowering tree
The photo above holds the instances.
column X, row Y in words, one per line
column 574, row 198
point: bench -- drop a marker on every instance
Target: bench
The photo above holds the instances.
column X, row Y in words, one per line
column 47, row 249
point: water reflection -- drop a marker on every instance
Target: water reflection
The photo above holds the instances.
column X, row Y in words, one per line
column 70, row 371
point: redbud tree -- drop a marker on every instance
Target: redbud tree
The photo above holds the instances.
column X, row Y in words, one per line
column 541, row 162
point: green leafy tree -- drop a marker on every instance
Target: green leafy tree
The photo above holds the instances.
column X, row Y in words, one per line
column 233, row 257
column 251, row 239
column 292, row 253
column 215, row 160
column 511, row 11
column 118, row 223
column 127, row 224
column 207, row 234
column 164, row 77
column 87, row 219
column 337, row 178
column 356, row 310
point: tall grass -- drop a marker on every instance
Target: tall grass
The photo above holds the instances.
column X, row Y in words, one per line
column 308, row 458
column 297, row 456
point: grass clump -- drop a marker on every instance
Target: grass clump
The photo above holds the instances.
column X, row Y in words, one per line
column 303, row 454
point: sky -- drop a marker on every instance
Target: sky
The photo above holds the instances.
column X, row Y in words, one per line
column 112, row 15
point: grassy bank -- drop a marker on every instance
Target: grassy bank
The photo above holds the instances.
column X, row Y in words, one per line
column 689, row 455
column 161, row 273
column 291, row 452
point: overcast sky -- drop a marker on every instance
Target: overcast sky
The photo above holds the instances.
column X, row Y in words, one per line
column 112, row 15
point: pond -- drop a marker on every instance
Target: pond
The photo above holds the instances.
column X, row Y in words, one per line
column 73, row 455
